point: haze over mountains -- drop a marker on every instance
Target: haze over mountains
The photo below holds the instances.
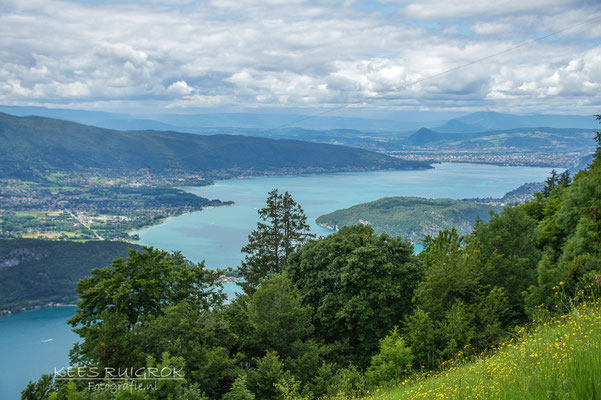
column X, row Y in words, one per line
column 198, row 123
column 488, row 132
column 533, row 139
column 489, row 120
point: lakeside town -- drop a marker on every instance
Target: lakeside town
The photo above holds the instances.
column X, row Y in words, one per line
column 96, row 205
column 510, row 158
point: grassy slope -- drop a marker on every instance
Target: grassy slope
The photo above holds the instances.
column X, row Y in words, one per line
column 560, row 359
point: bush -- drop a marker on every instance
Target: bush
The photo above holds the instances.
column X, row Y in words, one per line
column 392, row 362
column 239, row 391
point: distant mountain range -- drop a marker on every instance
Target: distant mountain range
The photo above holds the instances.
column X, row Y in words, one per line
column 488, row 132
column 30, row 144
column 538, row 139
column 198, row 123
column 489, row 120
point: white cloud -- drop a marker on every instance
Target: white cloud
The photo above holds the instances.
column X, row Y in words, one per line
column 180, row 87
column 298, row 54
column 578, row 80
column 491, row 28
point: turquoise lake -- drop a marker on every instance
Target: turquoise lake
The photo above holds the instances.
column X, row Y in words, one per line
column 216, row 235
column 33, row 343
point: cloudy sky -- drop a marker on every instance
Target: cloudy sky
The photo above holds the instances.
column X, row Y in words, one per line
column 180, row 56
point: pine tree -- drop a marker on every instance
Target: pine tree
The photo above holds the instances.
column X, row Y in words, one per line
column 550, row 183
column 597, row 159
column 564, row 179
column 281, row 230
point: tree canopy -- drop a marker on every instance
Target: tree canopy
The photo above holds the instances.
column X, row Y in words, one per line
column 359, row 284
column 117, row 299
column 281, row 230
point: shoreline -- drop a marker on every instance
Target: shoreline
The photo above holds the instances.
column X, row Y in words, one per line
column 163, row 220
column 433, row 164
column 6, row 313
column 334, row 228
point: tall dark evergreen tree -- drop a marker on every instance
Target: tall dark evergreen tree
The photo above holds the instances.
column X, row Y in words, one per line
column 281, row 230
column 550, row 183
column 564, row 179
column 597, row 159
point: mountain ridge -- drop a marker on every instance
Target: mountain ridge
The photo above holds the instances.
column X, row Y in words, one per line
column 489, row 120
column 29, row 144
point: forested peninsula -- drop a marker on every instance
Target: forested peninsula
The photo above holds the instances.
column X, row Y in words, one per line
column 412, row 218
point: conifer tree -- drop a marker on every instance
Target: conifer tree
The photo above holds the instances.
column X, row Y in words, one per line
column 597, row 158
column 564, row 179
column 550, row 183
column 281, row 230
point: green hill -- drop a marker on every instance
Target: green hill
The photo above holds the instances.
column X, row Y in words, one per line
column 32, row 144
column 424, row 136
column 37, row 272
column 411, row 217
column 558, row 359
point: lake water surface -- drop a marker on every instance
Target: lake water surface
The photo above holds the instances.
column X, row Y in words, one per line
column 33, row 343
column 216, row 235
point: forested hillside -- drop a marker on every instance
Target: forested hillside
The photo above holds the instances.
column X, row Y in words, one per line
column 29, row 145
column 36, row 272
column 412, row 218
column 340, row 316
